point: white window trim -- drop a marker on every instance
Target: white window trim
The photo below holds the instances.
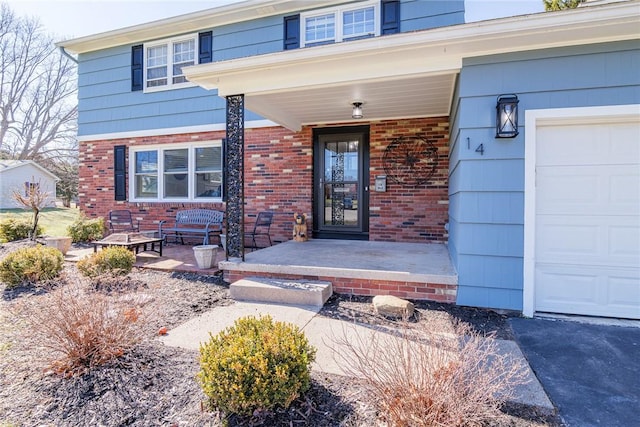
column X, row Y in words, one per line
column 337, row 12
column 160, row 148
column 169, row 42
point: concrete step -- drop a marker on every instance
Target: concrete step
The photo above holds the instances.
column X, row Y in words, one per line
column 281, row 291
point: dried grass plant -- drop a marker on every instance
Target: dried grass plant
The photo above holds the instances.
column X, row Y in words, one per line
column 80, row 329
column 423, row 377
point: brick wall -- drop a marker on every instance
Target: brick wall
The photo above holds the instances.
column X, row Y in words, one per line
column 352, row 286
column 404, row 213
column 96, row 186
column 279, row 177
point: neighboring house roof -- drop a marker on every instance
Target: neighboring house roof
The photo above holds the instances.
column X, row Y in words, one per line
column 417, row 70
column 6, row 165
column 191, row 22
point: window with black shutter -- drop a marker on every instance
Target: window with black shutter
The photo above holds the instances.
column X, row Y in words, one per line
column 158, row 65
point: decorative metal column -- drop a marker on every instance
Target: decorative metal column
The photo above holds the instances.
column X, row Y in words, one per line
column 234, row 184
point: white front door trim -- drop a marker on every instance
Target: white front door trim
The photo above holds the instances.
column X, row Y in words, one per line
column 533, row 120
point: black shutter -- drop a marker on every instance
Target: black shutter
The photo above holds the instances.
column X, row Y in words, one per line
column 120, row 171
column 291, row 32
column 390, row 22
column 136, row 67
column 205, row 47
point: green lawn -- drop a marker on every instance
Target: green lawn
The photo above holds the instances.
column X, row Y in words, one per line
column 54, row 221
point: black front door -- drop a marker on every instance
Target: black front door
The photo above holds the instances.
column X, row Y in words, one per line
column 341, row 179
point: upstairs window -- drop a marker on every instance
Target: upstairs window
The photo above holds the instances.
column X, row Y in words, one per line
column 158, row 65
column 320, row 29
column 334, row 25
column 164, row 61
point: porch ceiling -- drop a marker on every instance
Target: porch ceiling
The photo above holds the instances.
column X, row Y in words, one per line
column 415, row 96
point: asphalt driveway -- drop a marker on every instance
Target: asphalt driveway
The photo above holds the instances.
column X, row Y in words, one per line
column 590, row 372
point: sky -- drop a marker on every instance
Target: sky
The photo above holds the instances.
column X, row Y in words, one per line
column 65, row 19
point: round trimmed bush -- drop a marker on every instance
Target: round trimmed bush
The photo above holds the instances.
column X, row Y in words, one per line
column 255, row 365
column 114, row 261
column 31, row 265
column 86, row 230
column 16, row 229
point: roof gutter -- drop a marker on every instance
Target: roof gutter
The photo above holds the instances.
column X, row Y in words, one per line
column 67, row 54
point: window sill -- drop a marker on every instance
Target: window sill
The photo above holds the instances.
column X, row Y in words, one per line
column 172, row 87
column 199, row 200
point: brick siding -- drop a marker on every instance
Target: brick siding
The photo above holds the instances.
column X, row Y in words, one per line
column 279, row 177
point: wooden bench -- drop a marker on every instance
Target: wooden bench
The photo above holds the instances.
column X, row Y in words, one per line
column 193, row 222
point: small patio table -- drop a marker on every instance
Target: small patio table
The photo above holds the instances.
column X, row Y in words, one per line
column 133, row 241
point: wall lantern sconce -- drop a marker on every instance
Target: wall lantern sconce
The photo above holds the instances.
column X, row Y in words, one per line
column 357, row 110
column 507, row 116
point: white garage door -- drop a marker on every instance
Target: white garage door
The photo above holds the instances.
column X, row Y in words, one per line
column 587, row 218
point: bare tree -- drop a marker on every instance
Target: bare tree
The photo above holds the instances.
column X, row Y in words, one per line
column 35, row 198
column 38, row 108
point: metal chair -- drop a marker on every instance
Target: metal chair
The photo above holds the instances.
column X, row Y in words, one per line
column 120, row 221
column 260, row 228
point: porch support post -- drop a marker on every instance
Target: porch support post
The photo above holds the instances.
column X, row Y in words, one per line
column 234, row 182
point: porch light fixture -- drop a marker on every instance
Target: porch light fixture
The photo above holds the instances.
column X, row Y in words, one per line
column 357, row 110
column 507, row 116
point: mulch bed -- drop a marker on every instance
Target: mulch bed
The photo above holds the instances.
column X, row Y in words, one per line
column 155, row 385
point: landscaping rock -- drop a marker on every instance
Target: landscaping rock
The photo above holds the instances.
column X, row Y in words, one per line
column 390, row 306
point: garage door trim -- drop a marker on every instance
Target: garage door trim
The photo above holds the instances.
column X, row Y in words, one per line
column 547, row 117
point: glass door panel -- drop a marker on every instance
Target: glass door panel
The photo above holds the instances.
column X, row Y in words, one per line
column 341, row 186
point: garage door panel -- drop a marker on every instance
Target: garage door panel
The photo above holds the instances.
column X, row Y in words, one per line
column 589, row 290
column 624, row 243
column 570, row 286
column 624, row 189
column 591, row 190
column 588, row 239
column 587, row 219
column 563, row 243
column 582, row 144
column 624, row 291
column 566, row 190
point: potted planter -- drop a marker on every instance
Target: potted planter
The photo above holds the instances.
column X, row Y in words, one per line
column 205, row 255
column 63, row 244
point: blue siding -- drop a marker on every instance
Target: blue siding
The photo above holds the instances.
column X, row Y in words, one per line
column 425, row 14
column 248, row 38
column 486, row 205
column 107, row 105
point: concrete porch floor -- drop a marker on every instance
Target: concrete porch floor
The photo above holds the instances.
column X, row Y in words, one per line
column 414, row 262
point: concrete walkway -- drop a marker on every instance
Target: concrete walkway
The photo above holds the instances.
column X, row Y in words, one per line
column 322, row 333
